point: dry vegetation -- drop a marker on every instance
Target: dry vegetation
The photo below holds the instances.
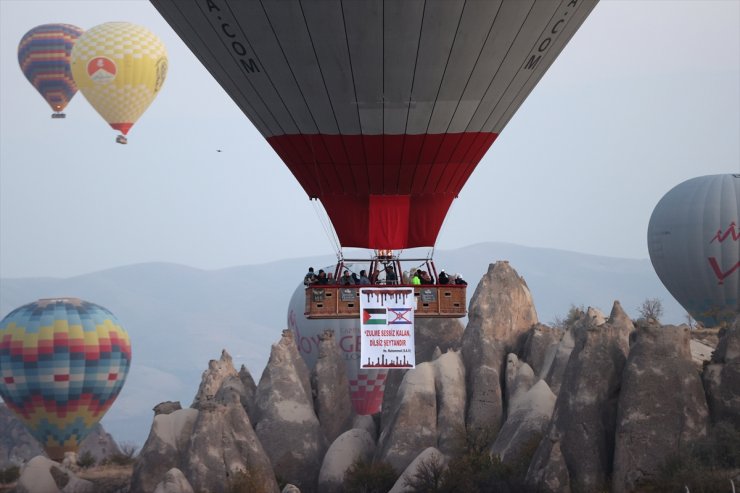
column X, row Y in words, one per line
column 108, row 478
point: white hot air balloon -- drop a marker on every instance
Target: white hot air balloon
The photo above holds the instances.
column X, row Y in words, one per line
column 366, row 386
column 381, row 109
column 694, row 245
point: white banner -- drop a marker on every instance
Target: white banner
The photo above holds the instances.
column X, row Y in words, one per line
column 387, row 327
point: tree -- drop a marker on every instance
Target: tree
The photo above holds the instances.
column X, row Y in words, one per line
column 651, row 309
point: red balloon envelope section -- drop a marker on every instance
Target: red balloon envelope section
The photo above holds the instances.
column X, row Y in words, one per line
column 381, row 109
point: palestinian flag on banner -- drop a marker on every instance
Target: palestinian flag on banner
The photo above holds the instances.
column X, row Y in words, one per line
column 374, row 316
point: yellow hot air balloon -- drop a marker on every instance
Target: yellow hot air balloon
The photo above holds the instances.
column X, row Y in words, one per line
column 119, row 67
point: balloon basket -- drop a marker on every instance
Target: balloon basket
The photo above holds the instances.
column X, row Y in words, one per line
column 121, row 139
column 58, row 115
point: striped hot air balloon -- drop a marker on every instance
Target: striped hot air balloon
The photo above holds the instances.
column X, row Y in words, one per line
column 380, row 108
column 366, row 386
column 44, row 56
column 694, row 245
column 120, row 68
column 62, row 364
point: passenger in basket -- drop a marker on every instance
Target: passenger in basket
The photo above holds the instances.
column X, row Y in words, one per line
column 309, row 278
column 426, row 278
column 390, row 275
column 346, row 279
column 459, row 280
column 364, row 280
column 321, row 279
column 443, row 277
column 417, row 277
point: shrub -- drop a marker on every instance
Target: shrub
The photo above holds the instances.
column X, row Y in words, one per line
column 704, row 466
column 428, row 477
column 10, row 474
column 369, row 477
column 125, row 457
column 86, row 459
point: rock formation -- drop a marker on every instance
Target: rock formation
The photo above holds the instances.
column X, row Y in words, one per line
column 412, row 422
column 167, row 444
column 661, row 407
column 577, row 450
column 42, row 475
column 428, row 456
column 519, row 378
column 287, row 426
column 212, row 444
column 174, row 482
column 449, row 379
column 331, row 389
column 539, row 348
column 722, row 377
column 431, row 333
column 352, row 445
column 528, row 418
column 501, row 312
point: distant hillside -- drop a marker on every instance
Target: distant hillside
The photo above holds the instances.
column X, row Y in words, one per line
column 179, row 317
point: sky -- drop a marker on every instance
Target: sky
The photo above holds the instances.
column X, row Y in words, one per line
column 645, row 96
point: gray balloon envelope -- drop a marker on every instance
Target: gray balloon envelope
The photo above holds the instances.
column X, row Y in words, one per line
column 694, row 244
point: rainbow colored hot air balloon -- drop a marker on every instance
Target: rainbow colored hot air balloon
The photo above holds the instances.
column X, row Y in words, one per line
column 44, row 55
column 120, row 68
column 62, row 364
column 694, row 245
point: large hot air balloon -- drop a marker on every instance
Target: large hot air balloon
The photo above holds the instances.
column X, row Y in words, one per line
column 44, row 54
column 62, row 364
column 694, row 244
column 380, row 108
column 366, row 386
column 120, row 68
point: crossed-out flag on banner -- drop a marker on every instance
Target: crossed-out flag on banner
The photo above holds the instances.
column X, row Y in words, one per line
column 387, row 328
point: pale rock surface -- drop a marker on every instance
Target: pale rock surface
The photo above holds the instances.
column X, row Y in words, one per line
column 540, row 346
column 290, row 488
column 722, row 377
column 557, row 360
column 70, row 461
column 519, row 378
column 428, row 455
column 213, row 378
column 250, row 392
column 501, row 312
column 164, row 449
column 393, row 380
column 367, row 423
column 412, row 423
column 332, row 400
column 584, row 418
column 432, row 337
column 431, row 333
column 287, row 425
column 449, row 378
column 42, row 475
column 528, row 418
column 350, row 446
column 174, row 482
column 596, row 316
column 662, row 405
column 223, row 444
column 167, row 407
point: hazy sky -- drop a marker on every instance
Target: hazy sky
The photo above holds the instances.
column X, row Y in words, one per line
column 646, row 95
